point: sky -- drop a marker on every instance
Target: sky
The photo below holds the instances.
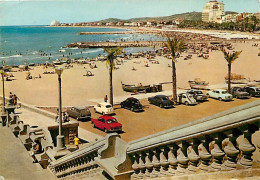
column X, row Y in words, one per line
column 42, row 12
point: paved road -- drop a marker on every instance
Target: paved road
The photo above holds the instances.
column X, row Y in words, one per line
column 15, row 162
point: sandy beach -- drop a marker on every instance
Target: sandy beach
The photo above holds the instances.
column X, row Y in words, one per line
column 82, row 90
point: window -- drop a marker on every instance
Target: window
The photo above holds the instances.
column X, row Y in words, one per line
column 217, row 92
column 224, row 92
column 101, row 120
column 108, row 106
column 165, row 98
column 111, row 121
column 199, row 92
column 184, row 96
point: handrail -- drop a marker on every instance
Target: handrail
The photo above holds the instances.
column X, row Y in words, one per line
column 235, row 117
column 81, row 152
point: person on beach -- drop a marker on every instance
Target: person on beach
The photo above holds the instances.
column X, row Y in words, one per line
column 11, row 98
column 76, row 142
column 105, row 98
column 15, row 99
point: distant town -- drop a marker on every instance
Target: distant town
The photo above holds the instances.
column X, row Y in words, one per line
column 213, row 16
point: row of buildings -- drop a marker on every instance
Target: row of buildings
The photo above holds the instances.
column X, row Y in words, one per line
column 214, row 12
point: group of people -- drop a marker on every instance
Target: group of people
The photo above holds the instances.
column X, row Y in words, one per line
column 65, row 116
column 13, row 99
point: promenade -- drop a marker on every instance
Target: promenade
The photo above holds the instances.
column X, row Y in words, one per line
column 15, row 162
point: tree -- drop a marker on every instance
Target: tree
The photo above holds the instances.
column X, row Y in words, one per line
column 230, row 57
column 111, row 56
column 175, row 46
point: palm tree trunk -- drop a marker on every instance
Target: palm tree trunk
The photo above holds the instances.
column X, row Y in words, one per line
column 174, row 86
column 110, row 86
column 229, row 77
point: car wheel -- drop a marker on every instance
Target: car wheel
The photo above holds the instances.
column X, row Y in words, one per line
column 132, row 109
column 106, row 131
column 220, row 99
column 122, row 106
column 93, row 124
column 149, row 102
column 186, row 103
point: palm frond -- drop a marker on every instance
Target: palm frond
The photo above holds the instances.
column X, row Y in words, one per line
column 175, row 45
column 111, row 56
column 231, row 57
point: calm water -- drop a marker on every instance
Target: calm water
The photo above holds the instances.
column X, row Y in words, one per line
column 20, row 44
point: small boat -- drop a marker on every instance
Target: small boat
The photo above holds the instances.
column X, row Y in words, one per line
column 198, row 84
column 133, row 88
column 236, row 79
column 57, row 62
column 32, row 64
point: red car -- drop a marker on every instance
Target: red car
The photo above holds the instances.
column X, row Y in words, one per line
column 107, row 124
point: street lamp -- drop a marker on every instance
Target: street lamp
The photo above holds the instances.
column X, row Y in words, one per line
column 60, row 138
column 3, row 80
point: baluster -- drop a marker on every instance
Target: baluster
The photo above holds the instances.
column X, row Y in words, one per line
column 217, row 152
column 141, row 165
column 172, row 154
column 148, row 163
column 193, row 155
column 164, row 160
column 156, row 162
column 182, row 157
column 204, row 154
column 135, row 158
column 247, row 147
column 258, row 154
column 231, row 150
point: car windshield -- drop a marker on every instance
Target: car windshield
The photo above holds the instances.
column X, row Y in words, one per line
column 257, row 89
column 111, row 121
column 84, row 111
column 199, row 92
column 224, row 92
column 165, row 98
column 108, row 106
column 190, row 96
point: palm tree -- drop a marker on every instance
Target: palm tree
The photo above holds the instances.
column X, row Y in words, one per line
column 111, row 56
column 175, row 46
column 230, row 57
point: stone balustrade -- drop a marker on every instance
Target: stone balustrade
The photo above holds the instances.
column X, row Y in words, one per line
column 207, row 145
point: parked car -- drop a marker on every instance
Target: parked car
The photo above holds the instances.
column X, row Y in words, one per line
column 187, row 99
column 132, row 103
column 161, row 100
column 197, row 94
column 253, row 91
column 107, row 124
column 239, row 93
column 79, row 113
column 220, row 94
column 104, row 108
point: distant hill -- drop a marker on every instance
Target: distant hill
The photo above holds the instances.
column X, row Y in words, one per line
column 186, row 16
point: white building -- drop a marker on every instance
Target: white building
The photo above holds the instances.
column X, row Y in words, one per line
column 213, row 12
column 55, row 23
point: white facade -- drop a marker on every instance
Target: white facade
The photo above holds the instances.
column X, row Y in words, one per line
column 55, row 23
column 213, row 12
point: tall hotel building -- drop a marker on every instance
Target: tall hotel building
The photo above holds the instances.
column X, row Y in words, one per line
column 213, row 12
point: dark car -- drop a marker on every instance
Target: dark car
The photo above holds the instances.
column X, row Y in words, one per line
column 253, row 91
column 239, row 93
column 161, row 100
column 132, row 103
column 197, row 94
column 79, row 113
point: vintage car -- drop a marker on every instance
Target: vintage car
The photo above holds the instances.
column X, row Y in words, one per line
column 187, row 99
column 161, row 100
column 79, row 113
column 198, row 95
column 132, row 103
column 239, row 93
column 220, row 94
column 253, row 91
column 107, row 124
column 104, row 108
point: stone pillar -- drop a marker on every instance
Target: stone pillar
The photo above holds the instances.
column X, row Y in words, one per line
column 164, row 161
column 217, row 152
column 148, row 163
column 193, row 155
column 172, row 158
column 135, row 167
column 231, row 150
column 156, row 162
column 247, row 147
column 182, row 157
column 141, row 165
column 204, row 153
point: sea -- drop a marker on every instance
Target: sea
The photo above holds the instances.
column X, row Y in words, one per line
column 40, row 44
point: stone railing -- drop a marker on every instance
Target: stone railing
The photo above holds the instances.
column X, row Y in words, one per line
column 221, row 142
column 78, row 163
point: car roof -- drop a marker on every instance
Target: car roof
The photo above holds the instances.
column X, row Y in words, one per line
column 105, row 103
column 132, row 98
column 80, row 107
column 219, row 90
column 159, row 96
column 107, row 117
